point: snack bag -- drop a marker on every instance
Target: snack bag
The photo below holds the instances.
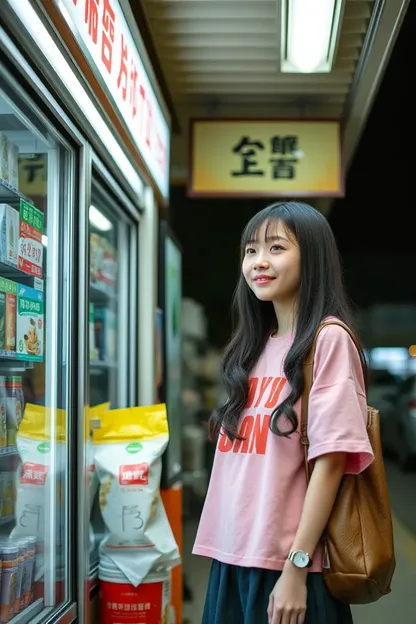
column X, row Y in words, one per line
column 92, row 417
column 128, row 450
column 34, row 444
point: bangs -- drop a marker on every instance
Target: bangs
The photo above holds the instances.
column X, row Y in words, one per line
column 264, row 225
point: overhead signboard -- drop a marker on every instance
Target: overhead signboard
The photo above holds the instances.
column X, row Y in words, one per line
column 108, row 45
column 265, row 158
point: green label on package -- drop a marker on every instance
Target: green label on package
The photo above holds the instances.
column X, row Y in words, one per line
column 30, row 254
column 7, row 286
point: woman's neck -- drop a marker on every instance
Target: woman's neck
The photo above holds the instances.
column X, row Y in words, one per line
column 286, row 319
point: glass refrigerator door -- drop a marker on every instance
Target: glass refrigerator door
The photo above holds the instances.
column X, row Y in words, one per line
column 112, row 292
column 35, row 218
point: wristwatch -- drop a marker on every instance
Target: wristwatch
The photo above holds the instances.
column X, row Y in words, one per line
column 300, row 559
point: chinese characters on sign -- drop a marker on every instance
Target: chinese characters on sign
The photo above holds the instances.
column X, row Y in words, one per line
column 282, row 164
column 262, row 158
column 106, row 34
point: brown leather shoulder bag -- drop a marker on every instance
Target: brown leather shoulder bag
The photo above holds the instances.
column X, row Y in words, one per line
column 359, row 560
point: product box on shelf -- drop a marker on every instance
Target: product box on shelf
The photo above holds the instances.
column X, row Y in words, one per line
column 13, row 164
column 9, row 234
column 30, row 247
column 3, row 415
column 103, row 263
column 109, row 268
column 9, row 161
column 93, row 349
column 105, row 333
column 2, row 318
column 15, row 404
column 8, row 304
column 30, row 324
column 4, row 157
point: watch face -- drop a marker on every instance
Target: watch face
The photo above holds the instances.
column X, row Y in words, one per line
column 300, row 559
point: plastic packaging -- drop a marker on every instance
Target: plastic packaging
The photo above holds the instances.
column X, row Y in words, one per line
column 127, row 451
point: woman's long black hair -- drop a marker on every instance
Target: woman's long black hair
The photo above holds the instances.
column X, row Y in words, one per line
column 321, row 294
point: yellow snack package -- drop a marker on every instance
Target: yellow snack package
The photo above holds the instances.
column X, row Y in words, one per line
column 41, row 441
column 128, row 448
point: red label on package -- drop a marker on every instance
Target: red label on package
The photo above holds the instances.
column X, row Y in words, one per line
column 125, row 604
column 134, row 474
column 33, row 474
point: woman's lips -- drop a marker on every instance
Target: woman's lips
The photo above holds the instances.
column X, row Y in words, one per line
column 263, row 279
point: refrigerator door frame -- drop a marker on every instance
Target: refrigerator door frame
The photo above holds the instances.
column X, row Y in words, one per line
column 171, row 466
column 131, row 217
column 58, row 127
column 86, row 156
column 83, row 384
column 135, row 214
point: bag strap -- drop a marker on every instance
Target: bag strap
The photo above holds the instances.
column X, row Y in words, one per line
column 308, row 377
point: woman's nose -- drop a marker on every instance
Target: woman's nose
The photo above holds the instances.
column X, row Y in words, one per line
column 261, row 263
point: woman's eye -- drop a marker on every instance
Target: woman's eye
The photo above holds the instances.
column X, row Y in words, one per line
column 249, row 251
column 276, row 248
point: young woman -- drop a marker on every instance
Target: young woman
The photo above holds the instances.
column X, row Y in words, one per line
column 261, row 524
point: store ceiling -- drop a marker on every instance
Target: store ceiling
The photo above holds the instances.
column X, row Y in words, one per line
column 221, row 58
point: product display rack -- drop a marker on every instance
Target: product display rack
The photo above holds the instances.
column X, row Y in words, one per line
column 8, row 194
column 22, row 318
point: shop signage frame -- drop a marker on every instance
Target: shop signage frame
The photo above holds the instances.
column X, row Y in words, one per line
column 239, row 158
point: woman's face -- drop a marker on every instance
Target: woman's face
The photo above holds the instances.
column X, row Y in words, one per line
column 271, row 264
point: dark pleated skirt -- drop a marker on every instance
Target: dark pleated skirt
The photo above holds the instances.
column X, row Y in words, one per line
column 238, row 595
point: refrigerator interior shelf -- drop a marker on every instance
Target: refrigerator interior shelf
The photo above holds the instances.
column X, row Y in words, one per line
column 9, row 361
column 8, row 450
column 99, row 294
column 29, row 614
column 10, row 194
column 6, row 519
column 14, row 275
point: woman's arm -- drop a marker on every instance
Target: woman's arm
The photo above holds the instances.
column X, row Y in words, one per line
column 320, row 498
column 288, row 599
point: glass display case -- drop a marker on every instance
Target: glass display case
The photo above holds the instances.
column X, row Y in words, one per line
column 112, row 314
column 35, row 218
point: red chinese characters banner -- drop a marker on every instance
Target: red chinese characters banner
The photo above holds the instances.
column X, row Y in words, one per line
column 112, row 54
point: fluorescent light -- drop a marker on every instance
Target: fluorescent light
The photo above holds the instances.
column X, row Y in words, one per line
column 99, row 220
column 38, row 32
column 44, row 240
column 310, row 30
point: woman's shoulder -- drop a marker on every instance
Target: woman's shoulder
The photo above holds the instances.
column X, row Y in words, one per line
column 335, row 333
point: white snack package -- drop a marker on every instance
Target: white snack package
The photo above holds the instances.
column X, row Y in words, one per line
column 128, row 450
column 34, row 475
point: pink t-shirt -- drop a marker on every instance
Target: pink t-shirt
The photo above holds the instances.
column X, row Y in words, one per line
column 257, row 488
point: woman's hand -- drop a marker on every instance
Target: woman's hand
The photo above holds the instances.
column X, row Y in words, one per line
column 287, row 602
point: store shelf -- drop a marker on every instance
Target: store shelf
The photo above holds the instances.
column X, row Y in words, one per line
column 6, row 520
column 14, row 275
column 10, row 194
column 101, row 295
column 29, row 614
column 9, row 361
column 8, row 451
